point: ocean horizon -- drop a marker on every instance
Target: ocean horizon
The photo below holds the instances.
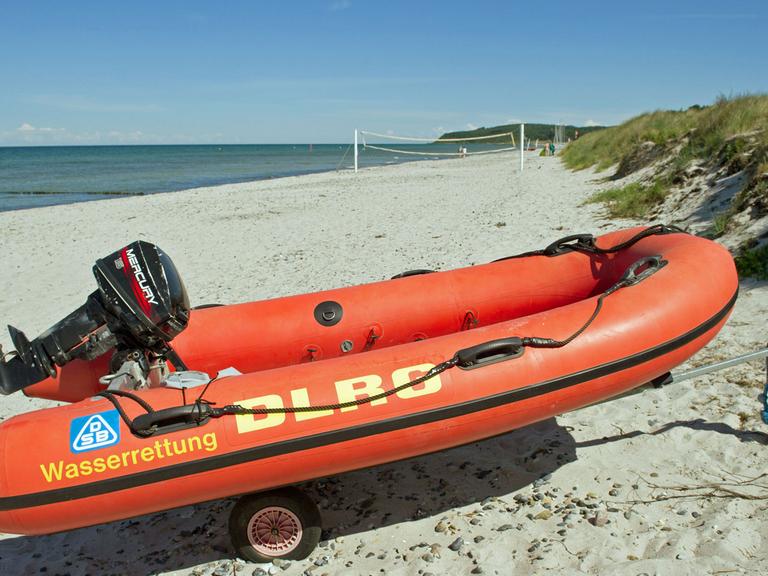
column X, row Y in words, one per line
column 36, row 176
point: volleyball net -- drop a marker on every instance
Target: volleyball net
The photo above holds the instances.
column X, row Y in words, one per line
column 377, row 148
column 440, row 147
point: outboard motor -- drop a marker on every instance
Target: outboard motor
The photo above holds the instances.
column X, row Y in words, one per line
column 140, row 306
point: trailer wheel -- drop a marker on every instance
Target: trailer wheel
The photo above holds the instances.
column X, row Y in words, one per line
column 282, row 523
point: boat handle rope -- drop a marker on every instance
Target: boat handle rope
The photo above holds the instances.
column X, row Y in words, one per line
column 113, row 395
column 476, row 356
column 586, row 243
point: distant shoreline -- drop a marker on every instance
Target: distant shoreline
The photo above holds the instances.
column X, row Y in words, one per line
column 79, row 197
column 11, row 146
column 36, row 176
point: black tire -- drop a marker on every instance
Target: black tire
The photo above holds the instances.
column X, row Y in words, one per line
column 295, row 525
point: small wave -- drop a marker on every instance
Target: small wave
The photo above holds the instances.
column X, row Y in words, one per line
column 56, row 193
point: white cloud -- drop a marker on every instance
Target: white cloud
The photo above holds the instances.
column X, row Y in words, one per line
column 29, row 134
column 27, row 128
column 591, row 122
column 471, row 126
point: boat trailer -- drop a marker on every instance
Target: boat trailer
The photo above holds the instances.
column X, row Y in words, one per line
column 675, row 376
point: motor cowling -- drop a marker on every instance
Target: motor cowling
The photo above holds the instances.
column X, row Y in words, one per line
column 143, row 295
column 141, row 303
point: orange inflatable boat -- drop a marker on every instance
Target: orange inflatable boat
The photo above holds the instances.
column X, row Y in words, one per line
column 323, row 383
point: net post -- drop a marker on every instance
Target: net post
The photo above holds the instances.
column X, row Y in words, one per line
column 355, row 150
column 522, row 145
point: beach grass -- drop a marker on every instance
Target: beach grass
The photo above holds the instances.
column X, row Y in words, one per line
column 633, row 200
column 753, row 263
column 729, row 136
column 710, row 130
column 720, row 223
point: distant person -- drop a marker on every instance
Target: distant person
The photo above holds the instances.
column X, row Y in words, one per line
column 576, row 136
column 463, row 151
column 551, row 148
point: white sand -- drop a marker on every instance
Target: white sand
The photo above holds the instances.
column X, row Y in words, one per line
column 256, row 240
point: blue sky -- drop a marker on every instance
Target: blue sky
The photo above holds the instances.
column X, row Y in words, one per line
column 255, row 72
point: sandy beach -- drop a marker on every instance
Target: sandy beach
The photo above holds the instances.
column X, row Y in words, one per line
column 667, row 481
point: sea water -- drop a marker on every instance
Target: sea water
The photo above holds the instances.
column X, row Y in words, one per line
column 43, row 176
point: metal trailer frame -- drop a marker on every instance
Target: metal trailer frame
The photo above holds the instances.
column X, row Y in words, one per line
column 673, row 377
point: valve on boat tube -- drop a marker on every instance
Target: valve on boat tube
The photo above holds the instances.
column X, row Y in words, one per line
column 141, row 303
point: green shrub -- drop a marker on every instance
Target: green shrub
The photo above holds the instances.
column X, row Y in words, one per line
column 633, row 200
column 720, row 223
column 753, row 263
column 707, row 130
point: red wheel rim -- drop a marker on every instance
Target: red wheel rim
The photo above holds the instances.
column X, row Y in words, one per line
column 274, row 531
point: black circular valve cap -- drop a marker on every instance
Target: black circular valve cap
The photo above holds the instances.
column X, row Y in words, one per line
column 328, row 313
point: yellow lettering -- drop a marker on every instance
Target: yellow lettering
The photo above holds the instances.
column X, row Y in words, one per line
column 180, row 448
column 71, row 471
column 300, row 397
column 192, row 441
column 251, row 423
column 147, row 454
column 348, row 390
column 57, row 471
column 404, row 375
column 52, row 471
column 210, row 441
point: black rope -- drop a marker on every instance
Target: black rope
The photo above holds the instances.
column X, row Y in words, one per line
column 656, row 229
column 537, row 342
column 527, row 341
column 125, row 394
column 207, row 409
column 238, row 409
column 111, row 396
column 586, row 243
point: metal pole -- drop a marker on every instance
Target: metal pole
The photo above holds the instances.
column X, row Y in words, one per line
column 355, row 150
column 675, row 377
column 719, row 365
column 522, row 145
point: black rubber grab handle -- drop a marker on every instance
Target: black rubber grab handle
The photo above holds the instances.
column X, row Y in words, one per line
column 568, row 242
column 489, row 352
column 642, row 268
column 170, row 419
column 411, row 273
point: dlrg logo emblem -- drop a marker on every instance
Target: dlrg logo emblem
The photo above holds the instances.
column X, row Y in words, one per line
column 94, row 431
